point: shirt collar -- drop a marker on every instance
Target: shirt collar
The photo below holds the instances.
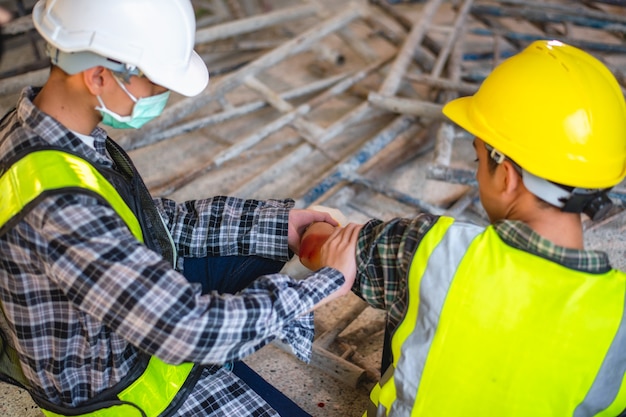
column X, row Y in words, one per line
column 55, row 134
column 519, row 235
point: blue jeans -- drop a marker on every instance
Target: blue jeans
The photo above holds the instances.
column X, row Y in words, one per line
column 228, row 275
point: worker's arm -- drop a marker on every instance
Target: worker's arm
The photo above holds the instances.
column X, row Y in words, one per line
column 384, row 254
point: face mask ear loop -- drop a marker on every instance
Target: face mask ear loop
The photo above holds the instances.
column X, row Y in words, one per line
column 102, row 105
column 104, row 110
column 123, row 87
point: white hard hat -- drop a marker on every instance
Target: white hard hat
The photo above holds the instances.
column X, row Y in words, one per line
column 154, row 36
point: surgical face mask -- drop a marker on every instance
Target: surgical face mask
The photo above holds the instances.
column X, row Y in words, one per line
column 144, row 110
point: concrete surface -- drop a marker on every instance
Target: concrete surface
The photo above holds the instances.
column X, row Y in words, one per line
column 402, row 167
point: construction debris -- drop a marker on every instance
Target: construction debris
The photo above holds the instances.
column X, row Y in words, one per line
column 339, row 103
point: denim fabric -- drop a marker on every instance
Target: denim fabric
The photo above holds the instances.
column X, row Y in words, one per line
column 227, row 275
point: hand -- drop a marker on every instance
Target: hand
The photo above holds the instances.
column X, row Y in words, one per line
column 299, row 220
column 339, row 252
column 312, row 240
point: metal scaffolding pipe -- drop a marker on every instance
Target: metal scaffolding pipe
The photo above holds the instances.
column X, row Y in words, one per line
column 289, row 118
column 394, row 194
column 414, row 39
column 252, row 24
column 232, row 112
column 530, row 37
column 299, row 44
column 603, row 22
column 444, row 84
column 413, row 107
column 351, row 164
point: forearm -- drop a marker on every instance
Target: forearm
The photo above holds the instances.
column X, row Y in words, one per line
column 225, row 226
column 218, row 328
column 384, row 254
column 159, row 311
column 274, row 306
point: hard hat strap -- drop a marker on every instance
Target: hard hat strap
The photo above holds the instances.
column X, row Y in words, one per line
column 594, row 202
column 499, row 158
column 546, row 190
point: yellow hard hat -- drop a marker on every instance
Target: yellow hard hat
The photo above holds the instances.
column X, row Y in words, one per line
column 556, row 111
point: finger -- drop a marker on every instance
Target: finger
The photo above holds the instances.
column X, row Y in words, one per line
column 327, row 218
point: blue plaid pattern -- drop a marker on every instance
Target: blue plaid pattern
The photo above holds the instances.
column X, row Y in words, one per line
column 83, row 297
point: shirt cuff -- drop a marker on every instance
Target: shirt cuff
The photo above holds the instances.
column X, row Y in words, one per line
column 299, row 332
column 299, row 336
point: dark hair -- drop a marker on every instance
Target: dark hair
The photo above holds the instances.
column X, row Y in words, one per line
column 491, row 164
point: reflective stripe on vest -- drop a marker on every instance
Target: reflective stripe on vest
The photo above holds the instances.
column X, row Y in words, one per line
column 45, row 171
column 51, row 170
column 148, row 396
column 484, row 337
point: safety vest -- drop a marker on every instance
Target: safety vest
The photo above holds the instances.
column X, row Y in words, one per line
column 491, row 330
column 153, row 388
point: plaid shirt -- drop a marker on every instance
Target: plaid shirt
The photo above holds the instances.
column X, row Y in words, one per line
column 82, row 296
column 385, row 252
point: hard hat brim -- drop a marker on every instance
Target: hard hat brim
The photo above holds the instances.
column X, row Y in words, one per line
column 190, row 82
column 458, row 110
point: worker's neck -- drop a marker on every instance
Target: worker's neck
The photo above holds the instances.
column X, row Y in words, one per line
column 562, row 229
column 64, row 99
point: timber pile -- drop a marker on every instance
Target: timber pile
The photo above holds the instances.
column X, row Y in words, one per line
column 339, row 103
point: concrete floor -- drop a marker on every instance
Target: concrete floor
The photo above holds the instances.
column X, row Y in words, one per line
column 402, row 167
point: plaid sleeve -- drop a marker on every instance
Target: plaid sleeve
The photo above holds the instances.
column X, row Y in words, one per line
column 384, row 254
column 289, row 295
column 106, row 273
column 227, row 226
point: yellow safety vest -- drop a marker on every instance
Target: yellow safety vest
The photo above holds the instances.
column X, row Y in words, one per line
column 48, row 171
column 491, row 330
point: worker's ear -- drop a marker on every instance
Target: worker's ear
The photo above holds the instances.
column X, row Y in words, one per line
column 94, row 79
column 512, row 179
